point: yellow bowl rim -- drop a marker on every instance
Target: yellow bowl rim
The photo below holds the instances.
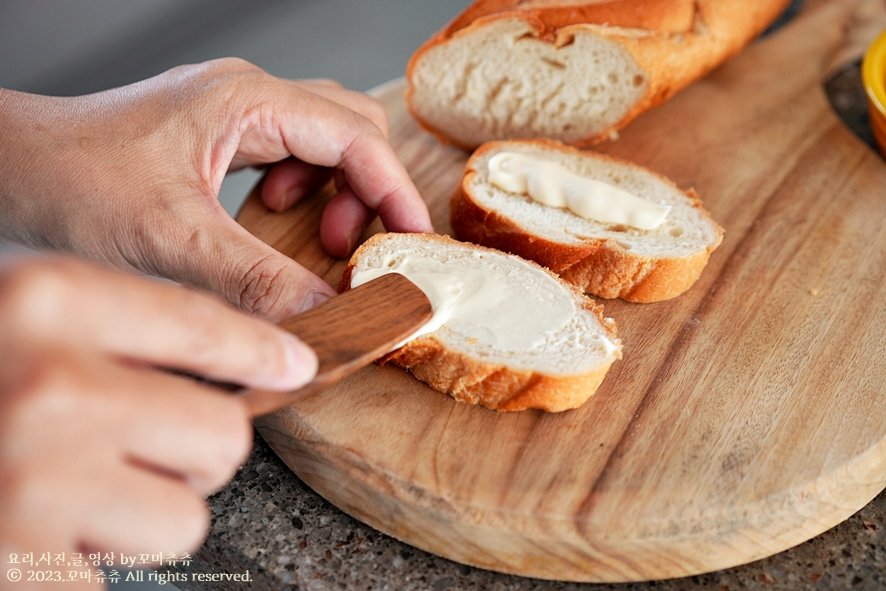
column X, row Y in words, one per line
column 873, row 73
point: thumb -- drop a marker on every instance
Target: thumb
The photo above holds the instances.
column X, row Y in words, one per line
column 223, row 258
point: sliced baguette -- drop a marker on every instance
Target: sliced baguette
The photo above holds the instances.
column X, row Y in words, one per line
column 604, row 260
column 558, row 373
column 571, row 70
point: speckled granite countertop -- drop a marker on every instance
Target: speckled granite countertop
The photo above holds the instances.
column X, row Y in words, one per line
column 268, row 522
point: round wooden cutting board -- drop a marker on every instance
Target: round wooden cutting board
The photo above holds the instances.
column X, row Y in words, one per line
column 747, row 415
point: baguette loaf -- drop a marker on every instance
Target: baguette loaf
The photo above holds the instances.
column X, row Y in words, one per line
column 571, row 70
column 607, row 260
column 518, row 337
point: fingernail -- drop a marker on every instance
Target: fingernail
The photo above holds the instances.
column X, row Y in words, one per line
column 314, row 299
column 291, row 196
column 353, row 238
column 301, row 364
column 318, row 298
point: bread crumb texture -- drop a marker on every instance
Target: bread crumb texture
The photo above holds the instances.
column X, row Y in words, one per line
column 502, row 81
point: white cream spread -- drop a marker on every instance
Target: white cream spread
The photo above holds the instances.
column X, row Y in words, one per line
column 484, row 302
column 604, row 344
column 551, row 184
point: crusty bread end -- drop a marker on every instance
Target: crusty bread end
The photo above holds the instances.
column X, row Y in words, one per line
column 571, row 70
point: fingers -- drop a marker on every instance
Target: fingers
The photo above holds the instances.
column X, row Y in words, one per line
column 88, row 410
column 135, row 510
column 250, row 274
column 323, row 132
column 105, row 456
column 359, row 102
column 155, row 323
column 332, row 127
column 290, row 180
column 118, row 507
column 203, row 247
column 205, row 453
column 343, row 221
column 371, row 168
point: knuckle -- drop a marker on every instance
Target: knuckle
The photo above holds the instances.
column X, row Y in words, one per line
column 377, row 113
column 272, row 354
column 187, row 522
column 328, row 82
column 46, row 405
column 227, row 66
column 206, row 313
column 48, row 391
column 260, row 287
column 31, row 499
column 170, row 514
column 370, row 131
column 236, row 64
column 34, row 297
column 221, row 80
column 18, row 488
column 231, row 449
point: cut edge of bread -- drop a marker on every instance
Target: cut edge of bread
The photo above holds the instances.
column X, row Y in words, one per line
column 668, row 47
column 600, row 265
column 482, row 98
column 495, row 384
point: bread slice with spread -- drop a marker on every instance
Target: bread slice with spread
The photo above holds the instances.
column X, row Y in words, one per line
column 506, row 333
column 571, row 70
column 608, row 255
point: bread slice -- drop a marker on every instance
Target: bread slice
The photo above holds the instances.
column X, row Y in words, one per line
column 571, row 70
column 606, row 260
column 532, row 341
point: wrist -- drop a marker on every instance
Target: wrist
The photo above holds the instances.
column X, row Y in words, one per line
column 18, row 118
column 34, row 139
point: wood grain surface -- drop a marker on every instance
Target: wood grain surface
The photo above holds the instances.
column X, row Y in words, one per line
column 747, row 415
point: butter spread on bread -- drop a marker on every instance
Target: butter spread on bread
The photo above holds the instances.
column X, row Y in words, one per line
column 478, row 301
column 571, row 70
column 551, row 184
column 605, row 259
column 507, row 334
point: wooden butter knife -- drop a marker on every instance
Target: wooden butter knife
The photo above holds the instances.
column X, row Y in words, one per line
column 349, row 332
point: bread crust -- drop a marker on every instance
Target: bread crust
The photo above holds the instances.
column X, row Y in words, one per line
column 668, row 16
column 598, row 266
column 675, row 42
column 496, row 386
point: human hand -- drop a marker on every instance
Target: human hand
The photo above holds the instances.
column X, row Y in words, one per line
column 99, row 450
column 131, row 176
